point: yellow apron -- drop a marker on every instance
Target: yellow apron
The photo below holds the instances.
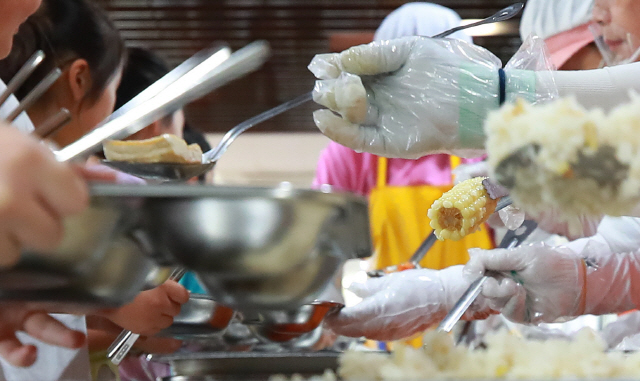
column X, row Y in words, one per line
column 399, row 224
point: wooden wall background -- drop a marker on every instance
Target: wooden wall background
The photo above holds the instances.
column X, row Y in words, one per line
column 296, row 30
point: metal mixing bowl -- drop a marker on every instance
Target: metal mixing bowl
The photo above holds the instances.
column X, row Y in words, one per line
column 253, row 248
column 99, row 263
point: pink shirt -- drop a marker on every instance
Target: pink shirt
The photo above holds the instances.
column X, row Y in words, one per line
column 346, row 170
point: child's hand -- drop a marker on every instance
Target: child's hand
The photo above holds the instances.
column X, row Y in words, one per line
column 152, row 310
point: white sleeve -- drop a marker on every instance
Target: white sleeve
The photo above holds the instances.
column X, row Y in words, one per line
column 619, row 234
column 600, row 88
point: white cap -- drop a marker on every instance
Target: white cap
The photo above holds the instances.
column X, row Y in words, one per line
column 420, row 19
column 546, row 18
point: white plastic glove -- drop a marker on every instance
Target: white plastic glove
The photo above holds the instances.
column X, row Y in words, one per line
column 547, row 283
column 467, row 171
column 549, row 220
column 412, row 96
column 401, row 304
column 542, row 283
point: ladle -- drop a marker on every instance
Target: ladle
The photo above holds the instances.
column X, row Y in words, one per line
column 183, row 172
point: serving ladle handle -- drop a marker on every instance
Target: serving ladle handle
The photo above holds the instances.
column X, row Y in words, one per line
column 502, row 15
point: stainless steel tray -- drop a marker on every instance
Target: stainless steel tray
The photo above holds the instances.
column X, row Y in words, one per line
column 248, row 364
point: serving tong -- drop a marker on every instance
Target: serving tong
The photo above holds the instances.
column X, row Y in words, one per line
column 493, row 190
column 512, row 239
column 56, row 121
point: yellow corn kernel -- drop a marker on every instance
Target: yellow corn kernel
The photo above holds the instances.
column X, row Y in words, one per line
column 462, row 210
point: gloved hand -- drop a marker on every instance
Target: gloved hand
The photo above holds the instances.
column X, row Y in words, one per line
column 401, row 304
column 573, row 227
column 412, row 96
column 596, row 275
column 541, row 283
column 467, row 171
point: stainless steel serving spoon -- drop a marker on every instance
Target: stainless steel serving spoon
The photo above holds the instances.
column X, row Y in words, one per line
column 183, row 172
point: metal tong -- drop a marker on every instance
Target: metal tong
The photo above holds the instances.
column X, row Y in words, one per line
column 427, row 244
column 214, row 71
column 53, row 123
column 125, row 340
column 512, row 239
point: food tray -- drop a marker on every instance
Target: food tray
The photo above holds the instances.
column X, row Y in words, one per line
column 248, row 365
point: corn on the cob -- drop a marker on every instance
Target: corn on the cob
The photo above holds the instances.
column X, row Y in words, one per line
column 461, row 210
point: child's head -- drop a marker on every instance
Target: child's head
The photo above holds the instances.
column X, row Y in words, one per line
column 142, row 70
column 78, row 37
column 13, row 13
column 618, row 21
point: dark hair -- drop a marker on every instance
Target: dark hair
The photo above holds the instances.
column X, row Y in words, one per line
column 67, row 30
column 143, row 69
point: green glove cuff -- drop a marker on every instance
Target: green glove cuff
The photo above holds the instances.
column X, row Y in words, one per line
column 478, row 94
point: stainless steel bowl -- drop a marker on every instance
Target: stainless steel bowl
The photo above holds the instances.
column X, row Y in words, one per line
column 100, row 261
column 284, row 326
column 253, row 248
column 199, row 318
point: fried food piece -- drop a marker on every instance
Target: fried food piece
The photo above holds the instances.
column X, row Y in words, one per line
column 165, row 148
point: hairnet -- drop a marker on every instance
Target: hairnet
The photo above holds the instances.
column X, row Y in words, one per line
column 419, row 19
column 546, row 18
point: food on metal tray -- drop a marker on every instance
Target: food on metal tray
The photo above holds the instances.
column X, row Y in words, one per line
column 462, row 210
column 165, row 148
column 506, row 356
column 560, row 155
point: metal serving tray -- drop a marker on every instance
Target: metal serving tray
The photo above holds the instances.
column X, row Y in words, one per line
column 254, row 365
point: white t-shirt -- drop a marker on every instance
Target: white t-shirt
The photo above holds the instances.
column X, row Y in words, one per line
column 54, row 363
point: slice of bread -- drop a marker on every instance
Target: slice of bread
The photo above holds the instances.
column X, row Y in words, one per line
column 165, row 148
